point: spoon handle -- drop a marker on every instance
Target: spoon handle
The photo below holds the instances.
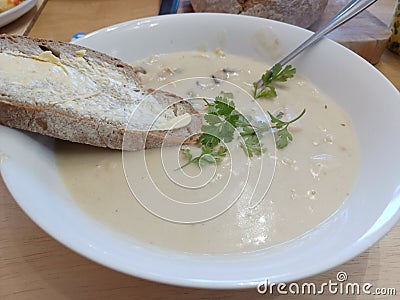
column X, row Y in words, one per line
column 346, row 13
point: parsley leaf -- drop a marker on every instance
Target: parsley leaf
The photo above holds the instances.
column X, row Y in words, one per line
column 264, row 88
column 221, row 123
column 223, row 106
column 187, row 154
column 283, row 138
column 252, row 145
column 222, row 130
column 209, row 140
column 223, row 120
column 208, row 156
column 283, row 134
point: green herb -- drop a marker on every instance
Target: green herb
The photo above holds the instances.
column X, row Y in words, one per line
column 252, row 146
column 208, row 156
column 249, row 129
column 283, row 134
column 264, row 88
column 221, row 123
column 251, row 134
column 223, row 120
column 221, row 106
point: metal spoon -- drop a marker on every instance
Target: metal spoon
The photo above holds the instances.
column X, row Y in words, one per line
column 346, row 13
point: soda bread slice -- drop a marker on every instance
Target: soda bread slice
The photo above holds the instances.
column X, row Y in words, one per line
column 80, row 95
column 302, row 13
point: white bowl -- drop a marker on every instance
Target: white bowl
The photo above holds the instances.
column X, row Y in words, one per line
column 366, row 216
column 14, row 13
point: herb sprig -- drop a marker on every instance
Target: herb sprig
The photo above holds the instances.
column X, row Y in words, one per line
column 208, row 156
column 283, row 134
column 264, row 88
column 222, row 121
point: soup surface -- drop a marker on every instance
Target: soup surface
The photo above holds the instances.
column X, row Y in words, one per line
column 243, row 204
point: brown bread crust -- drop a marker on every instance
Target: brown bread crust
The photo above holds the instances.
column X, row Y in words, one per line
column 302, row 13
column 77, row 127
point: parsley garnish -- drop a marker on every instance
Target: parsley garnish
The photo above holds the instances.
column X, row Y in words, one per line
column 208, row 156
column 284, row 136
column 252, row 145
column 223, row 120
column 264, row 88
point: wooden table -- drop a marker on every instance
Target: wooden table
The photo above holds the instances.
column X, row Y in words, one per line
column 34, row 266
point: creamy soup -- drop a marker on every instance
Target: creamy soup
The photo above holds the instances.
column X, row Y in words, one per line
column 242, row 204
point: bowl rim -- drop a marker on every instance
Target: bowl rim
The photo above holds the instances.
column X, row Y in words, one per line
column 391, row 217
column 10, row 15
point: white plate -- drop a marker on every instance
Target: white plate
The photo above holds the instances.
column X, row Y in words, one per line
column 368, row 214
column 14, row 13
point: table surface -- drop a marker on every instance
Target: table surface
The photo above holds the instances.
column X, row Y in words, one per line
column 35, row 266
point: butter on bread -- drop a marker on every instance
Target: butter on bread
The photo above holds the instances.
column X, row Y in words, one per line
column 77, row 94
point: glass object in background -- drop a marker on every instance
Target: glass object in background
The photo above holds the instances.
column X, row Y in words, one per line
column 394, row 42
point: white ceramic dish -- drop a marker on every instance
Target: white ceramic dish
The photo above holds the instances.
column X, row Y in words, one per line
column 14, row 13
column 372, row 209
